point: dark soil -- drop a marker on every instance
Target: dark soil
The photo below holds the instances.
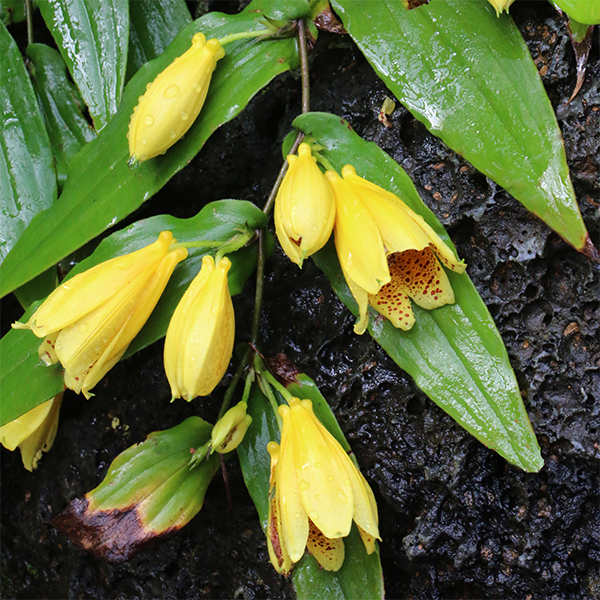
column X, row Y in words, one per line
column 457, row 521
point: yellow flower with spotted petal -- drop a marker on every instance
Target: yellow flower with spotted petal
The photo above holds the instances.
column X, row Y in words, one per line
column 173, row 100
column 200, row 337
column 316, row 493
column 33, row 432
column 304, row 207
column 89, row 321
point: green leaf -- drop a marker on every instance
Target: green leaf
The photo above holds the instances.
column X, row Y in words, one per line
column 102, row 189
column 27, row 177
column 152, row 27
column 12, row 11
column 92, row 36
column 148, row 492
column 469, row 77
column 360, row 576
column 61, row 105
column 583, row 11
column 454, row 353
column 216, row 221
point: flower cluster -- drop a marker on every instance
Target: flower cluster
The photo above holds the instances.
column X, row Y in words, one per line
column 388, row 254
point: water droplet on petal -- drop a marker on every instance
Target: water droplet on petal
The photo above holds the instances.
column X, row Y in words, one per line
column 314, row 515
column 184, row 115
column 304, row 485
column 144, row 141
column 318, row 465
column 83, row 327
column 346, row 482
column 197, row 87
column 149, row 119
column 329, row 477
column 172, row 135
column 148, row 85
column 171, row 91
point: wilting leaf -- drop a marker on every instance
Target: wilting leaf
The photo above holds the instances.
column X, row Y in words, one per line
column 148, row 493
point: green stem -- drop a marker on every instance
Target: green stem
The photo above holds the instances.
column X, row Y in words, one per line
column 231, row 388
column 244, row 35
column 304, row 67
column 272, row 400
column 278, row 386
column 29, row 15
column 321, row 159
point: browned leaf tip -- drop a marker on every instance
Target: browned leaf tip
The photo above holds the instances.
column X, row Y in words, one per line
column 112, row 535
column 327, row 21
column 582, row 53
column 589, row 250
column 284, row 368
column 410, row 4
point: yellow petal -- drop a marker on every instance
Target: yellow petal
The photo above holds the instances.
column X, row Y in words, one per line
column 357, row 239
column 87, row 291
column 200, row 338
column 368, row 541
column 320, row 467
column 362, row 299
column 393, row 303
column 173, row 100
column 329, row 553
column 304, row 207
column 294, row 520
column 278, row 555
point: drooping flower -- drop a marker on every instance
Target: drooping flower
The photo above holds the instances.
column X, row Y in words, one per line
column 173, row 100
column 200, row 337
column 34, row 432
column 411, row 248
column 230, row 429
column 304, row 207
column 89, row 321
column 316, row 493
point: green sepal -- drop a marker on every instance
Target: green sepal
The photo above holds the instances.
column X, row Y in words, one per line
column 583, row 11
column 149, row 491
column 454, row 353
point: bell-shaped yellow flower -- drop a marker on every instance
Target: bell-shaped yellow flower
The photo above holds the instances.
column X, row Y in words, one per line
column 316, row 493
column 33, row 432
column 90, row 320
column 200, row 337
column 413, row 251
column 501, row 5
column 173, row 100
column 230, row 429
column 304, row 207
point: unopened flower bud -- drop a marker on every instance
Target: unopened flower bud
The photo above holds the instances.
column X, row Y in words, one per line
column 230, row 429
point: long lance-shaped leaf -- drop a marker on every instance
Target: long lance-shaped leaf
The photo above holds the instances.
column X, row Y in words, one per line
column 27, row 177
column 149, row 492
column 102, row 189
column 468, row 76
column 92, row 36
column 26, row 382
column 152, row 27
column 454, row 353
column 361, row 575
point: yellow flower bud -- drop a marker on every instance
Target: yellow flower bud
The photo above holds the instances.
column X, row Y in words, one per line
column 304, row 207
column 173, row 100
column 230, row 429
column 33, row 432
column 199, row 340
column 90, row 320
column 316, row 493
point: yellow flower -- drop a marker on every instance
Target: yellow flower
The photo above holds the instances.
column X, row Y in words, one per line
column 33, row 432
column 501, row 5
column 230, row 429
column 316, row 493
column 304, row 207
column 199, row 340
column 411, row 249
column 173, row 100
column 89, row 320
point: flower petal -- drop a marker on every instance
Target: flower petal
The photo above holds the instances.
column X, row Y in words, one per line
column 278, row 555
column 393, row 303
column 329, row 553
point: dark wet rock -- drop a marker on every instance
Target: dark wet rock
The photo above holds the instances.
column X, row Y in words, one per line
column 457, row 521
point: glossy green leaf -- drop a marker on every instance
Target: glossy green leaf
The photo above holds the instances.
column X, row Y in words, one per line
column 61, row 105
column 454, row 353
column 149, row 491
column 27, row 177
column 216, row 221
column 583, row 11
column 102, row 189
column 468, row 76
column 360, row 576
column 152, row 27
column 92, row 36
